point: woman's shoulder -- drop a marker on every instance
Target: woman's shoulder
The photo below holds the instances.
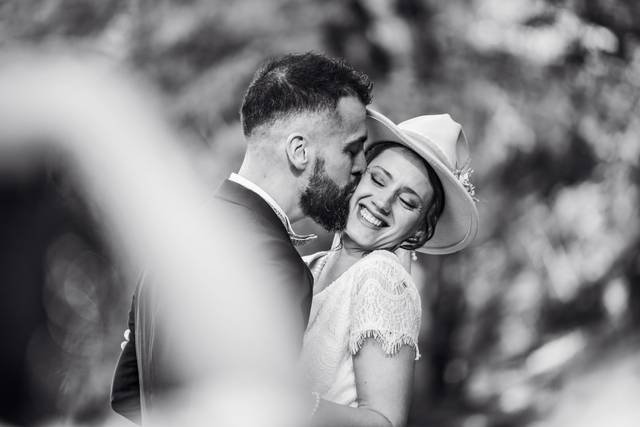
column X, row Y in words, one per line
column 383, row 269
column 384, row 261
column 386, row 305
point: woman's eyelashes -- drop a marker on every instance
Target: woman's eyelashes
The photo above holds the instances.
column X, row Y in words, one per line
column 380, row 180
column 377, row 178
column 409, row 204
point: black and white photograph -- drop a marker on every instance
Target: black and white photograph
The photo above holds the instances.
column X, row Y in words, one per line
column 337, row 213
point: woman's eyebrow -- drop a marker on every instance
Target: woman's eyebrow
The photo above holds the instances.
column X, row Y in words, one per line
column 412, row 191
column 403, row 188
column 383, row 170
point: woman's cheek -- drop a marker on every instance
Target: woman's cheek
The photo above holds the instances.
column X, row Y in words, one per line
column 409, row 220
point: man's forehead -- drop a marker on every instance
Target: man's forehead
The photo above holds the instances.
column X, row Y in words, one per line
column 348, row 119
column 351, row 108
column 352, row 119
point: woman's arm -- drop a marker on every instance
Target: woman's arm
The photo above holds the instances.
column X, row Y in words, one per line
column 383, row 384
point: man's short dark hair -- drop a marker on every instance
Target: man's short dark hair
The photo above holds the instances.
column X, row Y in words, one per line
column 296, row 83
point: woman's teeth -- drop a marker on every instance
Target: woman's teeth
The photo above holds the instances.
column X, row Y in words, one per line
column 368, row 216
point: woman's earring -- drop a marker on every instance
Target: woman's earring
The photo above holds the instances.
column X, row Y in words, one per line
column 414, row 257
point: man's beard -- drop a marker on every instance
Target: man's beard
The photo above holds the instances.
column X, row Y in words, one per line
column 324, row 201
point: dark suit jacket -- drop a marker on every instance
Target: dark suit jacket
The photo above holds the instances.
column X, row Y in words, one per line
column 140, row 376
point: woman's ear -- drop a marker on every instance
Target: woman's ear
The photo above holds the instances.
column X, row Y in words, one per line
column 414, row 238
column 297, row 148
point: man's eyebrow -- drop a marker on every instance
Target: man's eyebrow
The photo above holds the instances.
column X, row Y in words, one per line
column 359, row 140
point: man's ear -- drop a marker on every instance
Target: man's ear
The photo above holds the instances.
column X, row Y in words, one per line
column 297, row 148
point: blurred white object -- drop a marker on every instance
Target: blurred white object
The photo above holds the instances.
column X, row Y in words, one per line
column 555, row 353
column 109, row 134
column 616, row 299
column 606, row 395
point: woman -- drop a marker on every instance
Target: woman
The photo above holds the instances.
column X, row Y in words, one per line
column 362, row 338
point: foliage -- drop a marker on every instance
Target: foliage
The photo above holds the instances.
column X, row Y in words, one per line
column 548, row 94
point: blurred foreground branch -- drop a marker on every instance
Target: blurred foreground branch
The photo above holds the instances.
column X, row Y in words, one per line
column 92, row 117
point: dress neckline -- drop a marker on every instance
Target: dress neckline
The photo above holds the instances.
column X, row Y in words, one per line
column 328, row 253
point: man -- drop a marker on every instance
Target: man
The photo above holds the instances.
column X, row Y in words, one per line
column 303, row 117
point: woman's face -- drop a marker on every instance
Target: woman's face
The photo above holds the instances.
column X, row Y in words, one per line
column 390, row 199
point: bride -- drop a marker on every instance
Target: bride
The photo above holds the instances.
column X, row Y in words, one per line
column 362, row 337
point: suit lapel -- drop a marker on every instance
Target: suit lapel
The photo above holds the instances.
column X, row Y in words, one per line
column 235, row 193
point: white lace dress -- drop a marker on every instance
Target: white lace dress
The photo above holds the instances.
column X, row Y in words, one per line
column 375, row 298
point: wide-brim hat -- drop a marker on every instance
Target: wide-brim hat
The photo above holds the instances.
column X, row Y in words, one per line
column 441, row 142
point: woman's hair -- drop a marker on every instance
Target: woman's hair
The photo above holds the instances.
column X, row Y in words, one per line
column 432, row 213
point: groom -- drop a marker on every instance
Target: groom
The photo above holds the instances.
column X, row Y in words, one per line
column 303, row 117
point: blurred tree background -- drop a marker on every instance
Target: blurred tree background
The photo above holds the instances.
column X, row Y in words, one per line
column 534, row 325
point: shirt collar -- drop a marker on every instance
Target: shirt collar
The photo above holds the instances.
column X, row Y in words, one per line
column 296, row 239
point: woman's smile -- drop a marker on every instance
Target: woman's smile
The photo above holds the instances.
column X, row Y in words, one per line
column 387, row 205
column 369, row 219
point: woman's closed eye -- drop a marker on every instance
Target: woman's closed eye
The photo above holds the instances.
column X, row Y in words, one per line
column 409, row 203
column 377, row 178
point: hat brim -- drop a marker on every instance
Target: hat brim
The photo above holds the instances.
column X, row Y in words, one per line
column 457, row 227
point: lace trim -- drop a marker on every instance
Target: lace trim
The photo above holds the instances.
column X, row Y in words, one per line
column 386, row 305
column 390, row 341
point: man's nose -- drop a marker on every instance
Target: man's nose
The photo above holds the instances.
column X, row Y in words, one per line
column 359, row 164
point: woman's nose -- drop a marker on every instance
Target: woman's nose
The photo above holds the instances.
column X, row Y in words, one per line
column 383, row 202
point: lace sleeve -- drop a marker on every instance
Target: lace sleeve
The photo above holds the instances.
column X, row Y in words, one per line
column 386, row 305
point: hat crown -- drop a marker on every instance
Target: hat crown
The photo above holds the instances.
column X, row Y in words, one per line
column 444, row 134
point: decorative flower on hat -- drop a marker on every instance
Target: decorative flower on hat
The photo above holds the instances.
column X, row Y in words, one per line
column 463, row 175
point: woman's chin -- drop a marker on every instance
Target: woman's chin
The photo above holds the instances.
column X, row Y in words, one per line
column 366, row 244
column 354, row 239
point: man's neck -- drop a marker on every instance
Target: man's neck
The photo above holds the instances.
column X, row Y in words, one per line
column 282, row 192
